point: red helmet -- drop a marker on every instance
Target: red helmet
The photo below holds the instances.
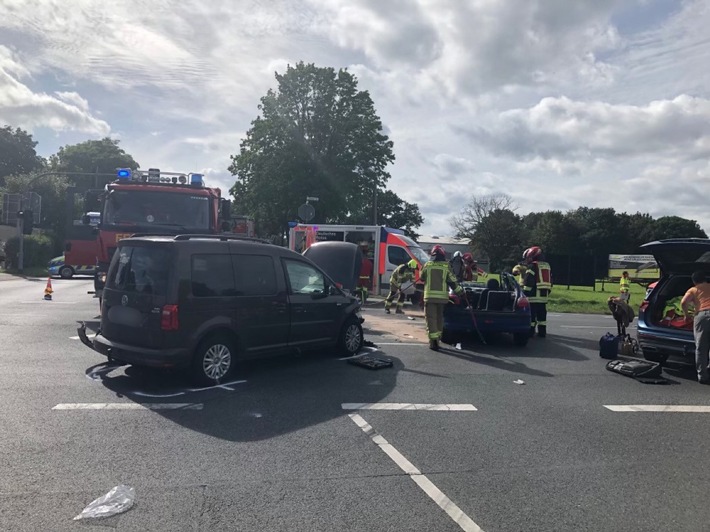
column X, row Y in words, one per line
column 467, row 257
column 532, row 253
column 438, row 250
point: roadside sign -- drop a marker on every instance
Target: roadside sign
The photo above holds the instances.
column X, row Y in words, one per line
column 11, row 205
column 640, row 267
column 306, row 212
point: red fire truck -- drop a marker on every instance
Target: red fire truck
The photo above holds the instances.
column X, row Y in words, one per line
column 154, row 202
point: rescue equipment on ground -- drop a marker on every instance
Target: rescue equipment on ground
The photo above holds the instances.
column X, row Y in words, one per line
column 370, row 362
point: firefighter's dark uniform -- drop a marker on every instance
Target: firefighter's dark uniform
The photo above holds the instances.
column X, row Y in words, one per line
column 537, row 287
column 401, row 274
column 437, row 276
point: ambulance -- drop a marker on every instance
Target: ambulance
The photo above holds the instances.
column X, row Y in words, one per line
column 386, row 247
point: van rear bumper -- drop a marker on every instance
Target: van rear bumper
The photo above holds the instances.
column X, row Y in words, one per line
column 131, row 354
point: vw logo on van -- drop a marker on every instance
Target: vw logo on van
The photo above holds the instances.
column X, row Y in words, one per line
column 124, row 300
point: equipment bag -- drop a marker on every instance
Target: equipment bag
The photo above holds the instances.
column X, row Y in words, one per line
column 609, row 346
column 641, row 370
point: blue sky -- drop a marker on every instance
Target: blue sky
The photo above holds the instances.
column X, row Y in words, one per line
column 598, row 103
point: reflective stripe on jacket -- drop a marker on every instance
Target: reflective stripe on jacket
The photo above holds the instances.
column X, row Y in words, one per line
column 437, row 276
column 624, row 285
column 401, row 274
column 538, row 282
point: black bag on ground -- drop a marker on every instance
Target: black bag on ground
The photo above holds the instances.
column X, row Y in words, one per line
column 641, row 370
column 609, row 346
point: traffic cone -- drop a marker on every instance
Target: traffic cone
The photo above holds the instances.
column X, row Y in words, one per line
column 48, row 290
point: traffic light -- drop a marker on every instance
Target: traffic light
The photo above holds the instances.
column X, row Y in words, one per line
column 27, row 221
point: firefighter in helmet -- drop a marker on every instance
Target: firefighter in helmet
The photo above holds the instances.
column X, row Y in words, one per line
column 537, row 285
column 437, row 277
column 470, row 268
column 519, row 272
column 401, row 274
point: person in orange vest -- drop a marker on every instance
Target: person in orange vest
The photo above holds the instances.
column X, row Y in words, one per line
column 625, row 287
column 537, row 285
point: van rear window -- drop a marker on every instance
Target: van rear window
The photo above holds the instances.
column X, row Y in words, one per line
column 140, row 269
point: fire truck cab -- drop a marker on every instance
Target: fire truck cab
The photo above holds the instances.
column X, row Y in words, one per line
column 385, row 246
column 154, row 202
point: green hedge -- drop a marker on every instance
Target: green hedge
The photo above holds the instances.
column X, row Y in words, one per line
column 38, row 251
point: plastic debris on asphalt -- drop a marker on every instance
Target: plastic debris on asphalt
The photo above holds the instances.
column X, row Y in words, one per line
column 458, row 346
column 410, row 318
column 116, row 501
column 519, row 381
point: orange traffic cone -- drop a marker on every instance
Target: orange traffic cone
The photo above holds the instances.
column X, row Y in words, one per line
column 48, row 290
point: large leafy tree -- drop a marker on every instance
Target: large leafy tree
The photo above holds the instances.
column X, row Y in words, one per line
column 93, row 156
column 676, row 227
column 17, row 153
column 317, row 135
column 478, row 208
column 498, row 235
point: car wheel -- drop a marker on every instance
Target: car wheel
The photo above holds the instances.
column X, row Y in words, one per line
column 521, row 339
column 66, row 272
column 213, row 360
column 351, row 337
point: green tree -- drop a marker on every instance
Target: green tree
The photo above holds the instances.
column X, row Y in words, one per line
column 554, row 232
column 317, row 135
column 676, row 227
column 52, row 189
column 476, row 210
column 392, row 211
column 17, row 153
column 93, row 156
column 499, row 237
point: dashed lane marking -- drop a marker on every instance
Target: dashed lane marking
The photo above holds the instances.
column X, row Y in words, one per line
column 128, row 406
column 426, row 485
column 698, row 409
column 410, row 406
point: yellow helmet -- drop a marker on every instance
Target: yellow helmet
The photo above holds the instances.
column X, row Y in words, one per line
column 413, row 264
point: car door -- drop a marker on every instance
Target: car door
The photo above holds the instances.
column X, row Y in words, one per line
column 316, row 313
column 261, row 302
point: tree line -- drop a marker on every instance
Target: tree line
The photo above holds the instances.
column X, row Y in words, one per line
column 496, row 231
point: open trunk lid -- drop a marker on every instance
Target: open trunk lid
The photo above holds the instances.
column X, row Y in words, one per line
column 680, row 255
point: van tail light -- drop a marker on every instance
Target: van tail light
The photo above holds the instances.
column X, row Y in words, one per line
column 643, row 306
column 169, row 318
column 522, row 303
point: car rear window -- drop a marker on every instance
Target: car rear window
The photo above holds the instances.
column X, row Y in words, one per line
column 141, row 269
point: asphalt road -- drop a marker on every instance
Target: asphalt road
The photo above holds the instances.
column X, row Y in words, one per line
column 294, row 443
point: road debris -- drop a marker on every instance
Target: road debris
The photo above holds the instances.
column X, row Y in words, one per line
column 410, row 318
column 370, row 362
column 519, row 381
column 458, row 346
column 116, row 501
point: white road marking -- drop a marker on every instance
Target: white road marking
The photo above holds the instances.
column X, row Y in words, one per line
column 409, row 406
column 399, row 343
column 128, row 406
column 659, row 408
column 426, row 485
column 40, row 300
column 589, row 327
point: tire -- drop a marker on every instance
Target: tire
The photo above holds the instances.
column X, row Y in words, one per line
column 214, row 359
column 351, row 337
column 521, row 339
column 66, row 272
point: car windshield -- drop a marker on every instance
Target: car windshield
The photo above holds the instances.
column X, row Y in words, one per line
column 139, row 207
column 419, row 254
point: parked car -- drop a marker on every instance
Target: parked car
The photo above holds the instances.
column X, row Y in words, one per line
column 201, row 302
column 494, row 307
column 661, row 331
column 57, row 266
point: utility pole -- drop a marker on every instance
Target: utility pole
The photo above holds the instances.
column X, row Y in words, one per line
column 374, row 207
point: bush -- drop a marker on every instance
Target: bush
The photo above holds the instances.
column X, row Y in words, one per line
column 38, row 251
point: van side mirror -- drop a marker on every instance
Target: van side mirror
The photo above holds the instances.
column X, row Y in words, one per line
column 333, row 291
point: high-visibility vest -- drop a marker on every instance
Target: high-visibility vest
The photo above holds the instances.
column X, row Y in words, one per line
column 542, row 276
column 624, row 285
column 436, row 276
column 401, row 274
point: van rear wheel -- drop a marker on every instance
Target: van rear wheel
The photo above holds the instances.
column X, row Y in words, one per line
column 214, row 359
column 66, row 272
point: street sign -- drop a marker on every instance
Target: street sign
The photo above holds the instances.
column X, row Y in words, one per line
column 11, row 204
column 33, row 202
column 306, row 212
